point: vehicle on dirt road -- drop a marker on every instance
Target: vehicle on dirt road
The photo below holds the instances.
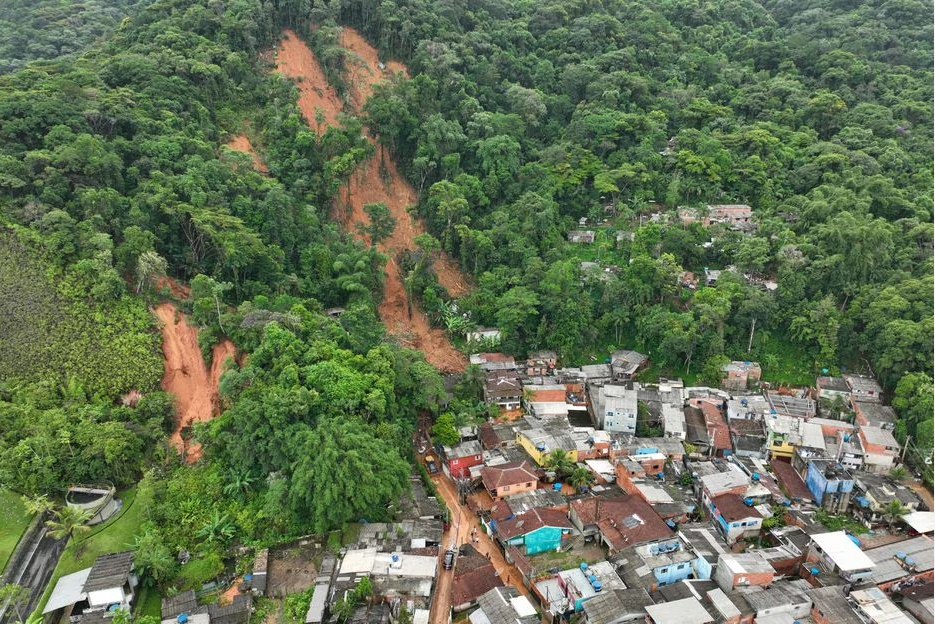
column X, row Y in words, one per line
column 449, row 560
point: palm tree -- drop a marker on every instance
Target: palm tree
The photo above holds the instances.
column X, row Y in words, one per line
column 68, row 521
column 581, row 478
column 218, row 529
column 893, row 511
column 37, row 504
column 898, row 474
column 558, row 461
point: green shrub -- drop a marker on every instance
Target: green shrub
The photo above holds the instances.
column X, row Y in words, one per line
column 197, row 572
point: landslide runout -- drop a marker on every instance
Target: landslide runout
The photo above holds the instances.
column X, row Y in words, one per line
column 368, row 185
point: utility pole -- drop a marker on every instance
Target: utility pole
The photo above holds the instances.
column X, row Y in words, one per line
column 902, row 455
column 752, row 329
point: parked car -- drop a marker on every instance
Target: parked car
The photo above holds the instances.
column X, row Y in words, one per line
column 433, row 468
column 449, row 561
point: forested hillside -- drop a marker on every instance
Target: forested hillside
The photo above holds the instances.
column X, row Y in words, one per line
column 37, row 30
column 520, row 120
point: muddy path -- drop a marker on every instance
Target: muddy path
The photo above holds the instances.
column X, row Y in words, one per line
column 240, row 143
column 368, row 184
column 187, row 377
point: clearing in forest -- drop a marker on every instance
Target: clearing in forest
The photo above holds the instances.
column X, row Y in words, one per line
column 240, row 143
column 367, row 185
column 187, row 377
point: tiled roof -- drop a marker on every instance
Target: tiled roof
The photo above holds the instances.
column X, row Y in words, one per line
column 732, row 508
column 495, row 477
column 109, row 571
column 473, row 576
column 530, row 521
column 488, row 437
column 629, row 521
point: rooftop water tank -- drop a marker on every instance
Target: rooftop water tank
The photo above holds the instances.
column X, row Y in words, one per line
column 557, row 487
column 597, row 585
column 756, row 476
column 395, row 558
column 583, row 566
column 540, row 446
column 748, row 502
column 182, row 618
column 814, row 571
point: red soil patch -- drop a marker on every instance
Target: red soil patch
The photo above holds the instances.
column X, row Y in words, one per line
column 179, row 291
column 187, row 377
column 363, row 66
column 240, row 143
column 366, row 185
column 294, row 60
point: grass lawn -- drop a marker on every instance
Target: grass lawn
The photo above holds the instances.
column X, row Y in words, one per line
column 115, row 535
column 13, row 521
column 149, row 602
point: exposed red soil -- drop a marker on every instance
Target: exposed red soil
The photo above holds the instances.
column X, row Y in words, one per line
column 187, row 377
column 363, row 67
column 367, row 185
column 240, row 143
column 179, row 291
column 294, row 60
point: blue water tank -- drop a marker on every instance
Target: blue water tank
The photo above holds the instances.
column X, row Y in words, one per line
column 910, row 561
column 855, row 540
column 597, row 585
column 248, row 577
column 900, row 555
column 557, row 487
column 756, row 476
column 786, row 503
column 395, row 558
column 584, row 566
column 592, row 578
column 814, row 571
column 540, row 446
column 847, row 437
column 748, row 502
column 182, row 618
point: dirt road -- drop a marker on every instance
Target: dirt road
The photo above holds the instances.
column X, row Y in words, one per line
column 187, row 377
column 923, row 492
column 462, row 521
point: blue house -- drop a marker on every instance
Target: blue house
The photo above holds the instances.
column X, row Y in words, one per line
column 536, row 531
column 830, row 484
column 670, row 560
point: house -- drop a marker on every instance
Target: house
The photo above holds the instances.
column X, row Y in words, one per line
column 493, row 361
column 484, row 334
column 874, row 414
column 618, row 606
column 459, row 459
column 830, row 388
column 545, row 400
column 622, row 522
column 920, row 522
column 542, row 498
column 535, row 531
column 830, row 606
column 900, row 564
column 186, row 604
column 864, row 388
column 874, row 607
column 735, row 216
column 847, row 448
column 706, row 546
column 669, row 561
column 748, row 436
column 830, row 484
column 707, row 427
column 792, row 406
column 734, row 517
column 731, row 481
column 743, row 570
column 917, row 600
column 614, row 407
column 569, row 590
column 781, row 601
column 539, row 442
column 474, row 576
column 740, row 375
column 402, row 536
column 541, row 363
column 511, row 478
column 504, row 605
column 392, row 574
column 111, row 581
column 688, row 280
column 581, row 236
column 838, row 554
column 684, row 611
column 880, row 448
column 503, row 388
column 673, row 421
column 625, row 364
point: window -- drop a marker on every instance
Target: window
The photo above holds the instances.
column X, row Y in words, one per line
column 505, row 488
column 664, row 570
column 529, row 484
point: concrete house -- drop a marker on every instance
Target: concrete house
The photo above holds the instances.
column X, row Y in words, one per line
column 743, row 570
column 874, row 414
column 503, row 388
column 734, row 518
column 460, row 458
column 512, row 478
column 830, row 483
column 536, row 531
column 864, row 388
column 614, row 407
column 880, row 449
column 684, row 611
column 740, row 375
column 836, row 553
column 831, row 387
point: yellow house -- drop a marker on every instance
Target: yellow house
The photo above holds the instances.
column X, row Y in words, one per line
column 781, row 448
column 782, row 435
column 539, row 443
